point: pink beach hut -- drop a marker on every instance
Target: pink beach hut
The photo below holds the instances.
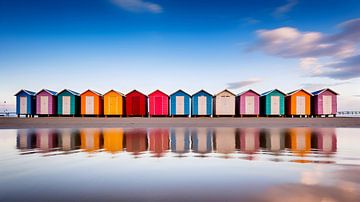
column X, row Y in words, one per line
column 46, row 102
column 247, row 103
column 324, row 102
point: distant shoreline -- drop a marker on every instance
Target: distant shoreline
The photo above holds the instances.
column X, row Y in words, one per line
column 77, row 122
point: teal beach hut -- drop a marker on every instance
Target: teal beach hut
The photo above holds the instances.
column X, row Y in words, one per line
column 68, row 103
column 272, row 103
column 180, row 104
column 25, row 103
column 202, row 104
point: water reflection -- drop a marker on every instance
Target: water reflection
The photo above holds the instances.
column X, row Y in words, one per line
column 247, row 143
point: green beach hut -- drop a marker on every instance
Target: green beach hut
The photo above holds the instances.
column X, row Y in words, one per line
column 68, row 103
column 272, row 103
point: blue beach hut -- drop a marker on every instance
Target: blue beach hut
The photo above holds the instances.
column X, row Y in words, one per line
column 180, row 104
column 25, row 103
column 272, row 103
column 202, row 104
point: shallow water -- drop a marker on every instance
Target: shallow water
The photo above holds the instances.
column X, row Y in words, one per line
column 180, row 164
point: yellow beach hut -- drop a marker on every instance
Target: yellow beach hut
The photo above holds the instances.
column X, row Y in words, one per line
column 114, row 103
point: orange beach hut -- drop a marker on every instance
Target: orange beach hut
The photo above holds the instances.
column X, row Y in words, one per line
column 114, row 103
column 298, row 103
column 91, row 103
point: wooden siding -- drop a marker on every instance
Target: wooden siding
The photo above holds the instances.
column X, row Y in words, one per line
column 98, row 103
column 52, row 101
column 74, row 103
column 242, row 104
column 290, row 101
column 113, row 103
column 195, row 106
column 224, row 104
column 136, row 104
column 265, row 103
column 31, row 103
column 186, row 105
column 317, row 103
column 158, row 104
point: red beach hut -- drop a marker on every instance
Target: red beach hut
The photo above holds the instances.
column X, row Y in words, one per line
column 158, row 104
column 136, row 104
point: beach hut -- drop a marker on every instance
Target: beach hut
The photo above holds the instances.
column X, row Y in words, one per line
column 324, row 140
column 272, row 103
column 113, row 140
column 69, row 139
column 68, row 102
column 247, row 103
column 324, row 102
column 224, row 103
column 46, row 102
column 225, row 140
column 159, row 141
column 136, row 141
column 25, row 103
column 180, row 104
column 26, row 139
column 46, row 140
column 114, row 103
column 272, row 139
column 201, row 139
column 158, row 104
column 180, row 140
column 249, row 140
column 91, row 139
column 201, row 104
column 299, row 141
column 298, row 103
column 91, row 103
column 136, row 104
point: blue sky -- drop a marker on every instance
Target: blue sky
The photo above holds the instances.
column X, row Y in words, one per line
column 172, row 44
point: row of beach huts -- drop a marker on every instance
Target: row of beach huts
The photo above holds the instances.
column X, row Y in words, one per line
column 113, row 103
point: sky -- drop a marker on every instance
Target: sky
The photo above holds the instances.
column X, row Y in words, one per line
column 180, row 44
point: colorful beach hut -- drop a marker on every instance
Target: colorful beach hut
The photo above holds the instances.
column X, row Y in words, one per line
column 180, row 103
column 46, row 102
column 114, row 103
column 272, row 103
column 224, row 103
column 91, row 139
column 249, row 140
column 91, row 103
column 158, row 104
column 68, row 102
column 159, row 141
column 201, row 139
column 298, row 102
column 247, row 103
column 225, row 140
column 324, row 102
column 202, row 104
column 136, row 104
column 113, row 140
column 136, row 141
column 25, row 103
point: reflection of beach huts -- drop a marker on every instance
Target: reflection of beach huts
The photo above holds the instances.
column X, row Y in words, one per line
column 180, row 104
column 180, row 140
column 201, row 103
column 69, row 139
column 46, row 102
column 249, row 140
column 324, row 102
column 136, row 104
column 159, row 140
column 324, row 139
column 224, row 140
column 26, row 139
column 272, row 103
column 136, row 140
column 247, row 103
column 201, row 139
column 224, row 103
column 113, row 139
column 158, row 104
column 298, row 103
column 68, row 102
column 114, row 103
column 91, row 139
column 91, row 103
column 299, row 140
column 272, row 139
column 46, row 139
column 25, row 103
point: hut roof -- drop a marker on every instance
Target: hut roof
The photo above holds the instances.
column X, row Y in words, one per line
column 270, row 91
column 48, row 91
column 25, row 91
column 226, row 90
column 99, row 94
column 70, row 91
column 159, row 92
column 137, row 92
column 295, row 91
column 112, row 90
column 248, row 91
column 202, row 90
column 181, row 92
column 323, row 90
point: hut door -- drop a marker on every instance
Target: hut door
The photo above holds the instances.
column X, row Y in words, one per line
column 113, row 105
column 327, row 104
column 44, row 105
column 180, row 105
column 300, row 105
column 136, row 105
column 89, row 104
column 224, row 107
column 158, row 106
column 23, row 105
column 201, row 105
column 275, row 105
column 66, row 105
column 249, row 105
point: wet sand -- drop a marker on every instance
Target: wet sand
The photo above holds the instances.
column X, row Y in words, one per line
column 78, row 122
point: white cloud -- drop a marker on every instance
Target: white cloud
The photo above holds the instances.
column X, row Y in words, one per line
column 138, row 6
column 283, row 9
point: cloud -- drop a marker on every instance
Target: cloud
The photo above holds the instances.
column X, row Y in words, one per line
column 240, row 84
column 138, row 6
column 339, row 49
column 283, row 9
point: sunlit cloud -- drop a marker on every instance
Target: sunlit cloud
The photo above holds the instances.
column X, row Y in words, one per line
column 283, row 9
column 240, row 84
column 138, row 6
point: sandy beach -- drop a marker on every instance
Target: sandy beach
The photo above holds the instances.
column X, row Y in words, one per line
column 77, row 122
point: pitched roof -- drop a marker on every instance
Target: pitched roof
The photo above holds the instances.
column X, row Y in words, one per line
column 270, row 91
column 202, row 90
column 323, row 90
column 137, row 92
column 70, row 91
column 25, row 91
column 112, row 90
column 48, row 91
column 295, row 91
column 248, row 91
column 225, row 90
column 181, row 92
column 99, row 94
column 159, row 92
